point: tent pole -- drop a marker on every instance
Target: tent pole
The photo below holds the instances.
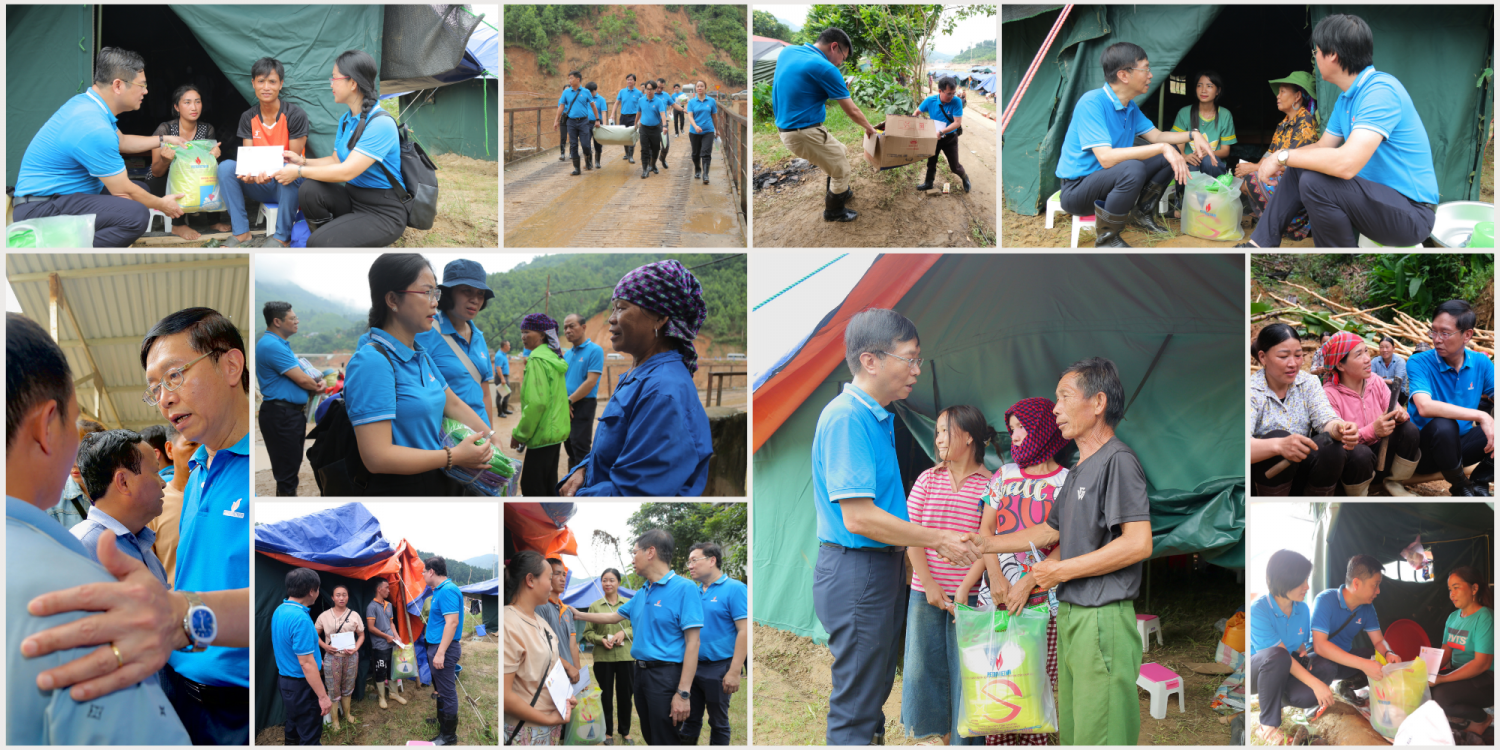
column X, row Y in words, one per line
column 1161, row 102
column 1015, row 101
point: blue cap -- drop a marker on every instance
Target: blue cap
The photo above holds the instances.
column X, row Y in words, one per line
column 466, row 273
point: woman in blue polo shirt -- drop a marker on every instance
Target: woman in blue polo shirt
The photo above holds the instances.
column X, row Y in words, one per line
column 947, row 111
column 347, row 198
column 701, row 110
column 396, row 396
column 1468, row 687
column 1281, row 643
column 650, row 123
column 455, row 344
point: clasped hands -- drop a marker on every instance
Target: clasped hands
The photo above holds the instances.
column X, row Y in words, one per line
column 965, row 549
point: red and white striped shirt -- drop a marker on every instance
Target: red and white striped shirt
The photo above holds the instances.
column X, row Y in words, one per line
column 933, row 503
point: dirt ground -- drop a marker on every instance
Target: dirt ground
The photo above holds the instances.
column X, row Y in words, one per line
column 738, row 716
column 1341, row 724
column 892, row 213
column 478, row 710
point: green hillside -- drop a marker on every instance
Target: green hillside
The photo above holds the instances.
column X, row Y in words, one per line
column 462, row 574
column 983, row 52
column 320, row 320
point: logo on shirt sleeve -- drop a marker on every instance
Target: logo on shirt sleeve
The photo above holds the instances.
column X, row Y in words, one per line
column 234, row 510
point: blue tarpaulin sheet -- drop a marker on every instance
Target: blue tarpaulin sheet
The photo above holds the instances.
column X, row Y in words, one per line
column 582, row 593
column 490, row 587
column 346, row 536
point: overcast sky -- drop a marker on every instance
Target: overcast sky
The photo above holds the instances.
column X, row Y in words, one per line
column 966, row 35
column 341, row 276
column 461, row 531
column 612, row 517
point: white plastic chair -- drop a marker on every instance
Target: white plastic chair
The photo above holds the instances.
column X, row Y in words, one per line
column 1054, row 205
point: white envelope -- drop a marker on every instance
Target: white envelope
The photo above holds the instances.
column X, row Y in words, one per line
column 1434, row 659
column 343, row 641
column 559, row 688
column 255, row 160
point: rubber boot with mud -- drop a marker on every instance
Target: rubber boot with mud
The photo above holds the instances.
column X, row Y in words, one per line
column 380, row 693
column 697, row 173
column 931, row 175
column 965, row 178
column 576, row 171
column 1358, row 490
column 348, row 715
column 1143, row 215
column 394, row 695
column 706, row 161
column 588, row 162
column 630, row 154
column 447, row 730
column 1107, row 227
column 1401, row 470
column 835, row 206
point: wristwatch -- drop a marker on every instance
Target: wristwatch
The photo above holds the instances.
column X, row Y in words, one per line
column 200, row 624
column 1282, row 156
column 685, row 694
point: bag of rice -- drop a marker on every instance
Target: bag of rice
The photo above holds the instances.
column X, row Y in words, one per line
column 1003, row 671
column 195, row 175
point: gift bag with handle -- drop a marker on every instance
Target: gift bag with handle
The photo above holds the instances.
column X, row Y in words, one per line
column 1397, row 695
column 1003, row 671
column 586, row 724
column 1211, row 208
column 195, row 174
column 405, row 666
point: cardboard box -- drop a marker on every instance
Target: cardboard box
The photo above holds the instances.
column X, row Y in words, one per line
column 905, row 140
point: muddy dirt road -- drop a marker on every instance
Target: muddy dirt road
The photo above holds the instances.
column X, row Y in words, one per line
column 545, row 206
column 892, row 212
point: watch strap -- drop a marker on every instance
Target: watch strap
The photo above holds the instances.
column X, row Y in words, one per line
column 194, row 601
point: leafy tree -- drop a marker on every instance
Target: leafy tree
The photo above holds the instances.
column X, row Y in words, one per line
column 765, row 24
column 690, row 523
column 982, row 52
column 895, row 38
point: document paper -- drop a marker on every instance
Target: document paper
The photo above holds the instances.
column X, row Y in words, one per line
column 255, row 160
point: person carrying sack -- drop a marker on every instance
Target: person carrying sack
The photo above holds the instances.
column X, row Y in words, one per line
column 577, row 105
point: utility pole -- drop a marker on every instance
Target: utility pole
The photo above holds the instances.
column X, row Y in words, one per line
column 547, row 297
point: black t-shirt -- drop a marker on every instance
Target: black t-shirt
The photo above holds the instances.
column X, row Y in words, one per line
column 291, row 122
column 1100, row 494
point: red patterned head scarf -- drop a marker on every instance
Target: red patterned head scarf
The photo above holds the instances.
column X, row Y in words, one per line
column 1336, row 348
column 1043, row 439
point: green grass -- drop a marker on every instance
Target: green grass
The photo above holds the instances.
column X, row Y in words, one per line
column 770, row 151
column 738, row 716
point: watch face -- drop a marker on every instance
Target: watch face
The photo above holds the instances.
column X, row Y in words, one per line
column 201, row 622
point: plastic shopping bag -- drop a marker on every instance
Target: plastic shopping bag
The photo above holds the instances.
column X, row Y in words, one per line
column 586, row 724
column 1397, row 695
column 490, row 481
column 1234, row 632
column 1427, row 726
column 195, row 174
column 51, row 231
column 405, row 667
column 1003, row 671
column 1211, row 209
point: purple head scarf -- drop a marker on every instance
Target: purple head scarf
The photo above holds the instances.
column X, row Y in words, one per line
column 667, row 288
column 545, row 326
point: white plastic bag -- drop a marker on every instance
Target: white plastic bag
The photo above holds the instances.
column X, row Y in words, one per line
column 1211, row 211
column 1397, row 695
column 1427, row 725
column 51, row 231
column 616, row 135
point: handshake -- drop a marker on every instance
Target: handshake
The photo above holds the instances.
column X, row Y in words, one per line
column 967, row 548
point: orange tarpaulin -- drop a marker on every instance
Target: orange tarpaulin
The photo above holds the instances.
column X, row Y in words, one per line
column 531, row 528
column 402, row 570
column 888, row 279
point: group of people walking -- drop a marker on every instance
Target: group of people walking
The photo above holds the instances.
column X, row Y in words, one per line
column 581, row 109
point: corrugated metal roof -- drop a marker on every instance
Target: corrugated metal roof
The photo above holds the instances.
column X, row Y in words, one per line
column 116, row 298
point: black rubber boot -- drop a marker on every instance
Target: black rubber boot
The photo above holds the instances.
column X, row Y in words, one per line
column 588, row 163
column 575, row 168
column 706, row 161
column 1144, row 213
column 927, row 183
column 562, row 151
column 696, row 173
column 630, row 154
column 965, row 178
column 447, row 730
column 1460, row 486
column 645, row 171
column 1107, row 227
column 835, row 207
column 848, row 194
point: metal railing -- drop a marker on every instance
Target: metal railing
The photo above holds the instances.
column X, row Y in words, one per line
column 525, row 134
column 734, row 131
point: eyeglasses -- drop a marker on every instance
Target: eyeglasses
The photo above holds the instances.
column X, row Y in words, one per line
column 433, row 295
column 1441, row 335
column 173, row 380
column 142, row 84
column 914, row 363
column 1146, row 69
column 338, row 78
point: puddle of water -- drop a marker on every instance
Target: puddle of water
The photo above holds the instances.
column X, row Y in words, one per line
column 708, row 222
column 555, row 224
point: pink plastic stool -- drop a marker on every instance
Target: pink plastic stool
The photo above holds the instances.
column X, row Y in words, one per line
column 1160, row 683
column 1146, row 625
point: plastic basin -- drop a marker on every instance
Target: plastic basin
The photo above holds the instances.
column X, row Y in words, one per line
column 1456, row 220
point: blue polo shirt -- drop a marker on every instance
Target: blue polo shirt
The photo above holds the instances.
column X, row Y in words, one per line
column 725, row 602
column 503, row 360
column 1432, row 375
column 1269, row 626
column 167, row 473
column 446, row 600
column 804, row 82
column 134, row 545
column 293, row 635
column 452, row 369
column 1099, row 119
column 411, row 395
column 659, row 614
column 854, row 456
column 702, row 111
column 1329, row 612
column 79, row 145
column 601, row 104
column 576, row 103
column 1403, row 161
column 934, row 106
column 379, row 142
column 583, row 359
column 273, row 358
column 652, row 109
column 213, row 552
column 630, row 100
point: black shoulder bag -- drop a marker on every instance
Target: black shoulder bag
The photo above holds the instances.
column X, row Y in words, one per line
column 957, row 132
column 417, row 172
column 1347, row 620
column 534, row 696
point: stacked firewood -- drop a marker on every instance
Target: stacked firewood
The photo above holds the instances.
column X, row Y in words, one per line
column 1405, row 331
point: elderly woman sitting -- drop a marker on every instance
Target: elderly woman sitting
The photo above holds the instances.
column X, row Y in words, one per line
column 1297, row 129
column 653, row 439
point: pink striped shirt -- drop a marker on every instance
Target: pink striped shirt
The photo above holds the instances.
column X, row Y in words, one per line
column 934, row 503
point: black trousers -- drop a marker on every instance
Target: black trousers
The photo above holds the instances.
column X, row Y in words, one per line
column 211, row 714
column 1467, row 699
column 304, row 719
column 1118, row 186
column 382, row 665
column 616, row 682
column 654, row 687
column 445, row 680
column 539, row 471
column 342, row 215
column 284, row 428
column 651, row 145
column 1444, row 449
column 708, row 693
column 628, row 120
column 1323, row 467
column 118, row 222
column 947, row 147
column 580, row 132
column 701, row 145
column 678, row 119
column 1341, row 210
column 1271, row 676
column 432, row 483
column 581, row 431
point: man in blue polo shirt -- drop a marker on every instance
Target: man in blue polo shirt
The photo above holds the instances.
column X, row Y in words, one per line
column 859, row 579
column 601, row 107
column 585, row 367
column 72, row 166
column 204, row 393
column 1371, row 173
column 722, row 644
column 1340, row 614
column 1447, row 382
column 502, row 378
column 283, row 390
column 665, row 616
column 444, row 635
column 1104, row 174
column 577, row 104
column 806, row 78
column 119, row 469
column 299, row 661
column 627, row 108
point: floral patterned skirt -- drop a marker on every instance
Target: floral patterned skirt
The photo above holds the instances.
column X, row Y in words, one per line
column 533, row 735
column 1299, row 228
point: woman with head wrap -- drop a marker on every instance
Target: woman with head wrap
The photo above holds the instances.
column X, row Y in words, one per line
column 1020, row 495
column 653, row 439
column 1287, row 405
column 544, row 407
column 1366, row 402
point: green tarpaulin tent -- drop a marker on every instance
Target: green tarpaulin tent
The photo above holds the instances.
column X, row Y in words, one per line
column 457, row 119
column 1439, row 52
column 996, row 329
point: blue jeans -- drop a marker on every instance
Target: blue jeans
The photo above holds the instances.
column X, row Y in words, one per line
column 931, row 690
column 235, row 193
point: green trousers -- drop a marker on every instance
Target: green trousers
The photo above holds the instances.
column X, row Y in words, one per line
column 1098, row 661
